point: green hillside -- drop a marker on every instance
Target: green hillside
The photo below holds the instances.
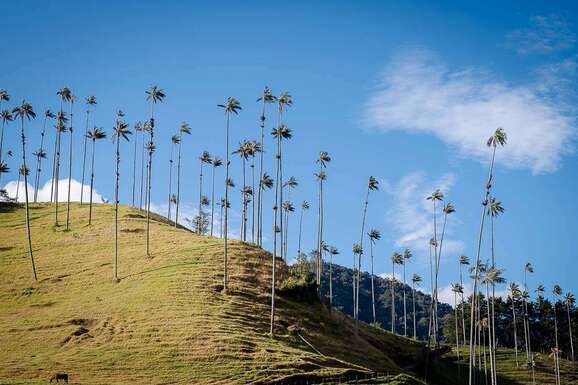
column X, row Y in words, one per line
column 167, row 320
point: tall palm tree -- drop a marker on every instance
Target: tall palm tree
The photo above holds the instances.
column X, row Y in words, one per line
column 436, row 196
column 528, row 268
column 253, row 147
column 492, row 278
column 90, row 101
column 514, row 296
column 138, row 128
column 154, row 95
column 231, row 106
column 372, row 185
column 304, row 206
column 570, row 301
column 287, row 208
column 6, row 118
column 146, row 127
column 284, row 101
column 71, row 130
column 291, row 183
column 406, row 257
column 557, row 291
column 279, row 133
column 60, row 129
column 396, row 259
column 22, row 171
column 266, row 98
column 356, row 250
column 40, row 153
column 499, row 138
column 463, row 261
column 222, row 206
column 205, row 158
column 322, row 160
column 95, row 134
column 175, row 141
column 25, row 111
column 374, row 235
column 415, row 279
column 120, row 130
column 457, row 289
column 185, row 129
column 243, row 152
column 332, row 250
column 216, row 162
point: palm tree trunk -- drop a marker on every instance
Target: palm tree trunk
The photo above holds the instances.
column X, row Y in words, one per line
column 274, row 259
column 356, row 284
column 456, row 324
column 392, row 297
column 142, row 171
column 84, row 155
column 38, row 161
column 414, row 316
column 148, row 200
column 515, row 332
column 225, row 272
column 2, row 138
column 281, row 253
column 330, row 281
column 372, row 283
column 91, row 182
column 200, row 199
column 253, row 199
column 134, row 167
column 53, row 168
column 463, row 307
column 18, row 185
column 69, row 170
column 260, row 194
column 221, row 216
column 57, row 177
column 477, row 262
column 117, row 176
column 490, row 347
column 404, row 305
column 212, row 199
column 179, row 186
column 570, row 332
column 30, row 253
column 300, row 232
column 170, row 179
column 556, row 340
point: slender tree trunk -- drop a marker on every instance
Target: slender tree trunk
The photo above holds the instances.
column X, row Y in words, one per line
column 179, row 187
column 212, row 199
column 515, row 332
column 170, row 179
column 200, row 199
column 281, row 253
column 84, row 155
column 134, row 167
column 221, row 216
column 490, row 347
column 38, row 161
column 149, row 180
column 404, row 305
column 300, row 232
column 117, row 176
column 357, row 283
column 91, row 182
column 372, row 283
column 57, row 177
column 29, row 235
column 142, row 170
column 69, row 170
column 393, row 297
column 274, row 259
column 2, row 138
column 52, row 182
column 570, row 332
column 260, row 194
column 463, row 307
column 414, row 316
column 253, row 199
column 18, row 185
column 244, row 211
column 556, row 340
column 225, row 272
column 330, row 280
column 456, row 324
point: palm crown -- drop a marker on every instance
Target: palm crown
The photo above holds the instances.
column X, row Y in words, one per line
column 374, row 235
column 6, row 116
column 464, row 260
column 90, row 100
column 449, row 208
column 185, row 129
column 176, row 139
column 569, row 298
column 25, row 110
column 557, row 290
column 65, row 94
column 267, row 96
column 495, row 208
column 372, row 184
column 121, row 130
column 305, row 205
column 231, row 105
column 267, row 181
column 397, row 258
column 96, row 133
column 291, row 182
column 323, row 158
column 357, row 249
column 217, row 162
column 4, row 96
column 498, row 138
column 407, row 254
column 205, row 157
column 155, row 94
column 49, row 114
column 529, row 268
column 4, row 168
column 416, row 279
column 437, row 195
column 282, row 132
column 284, row 100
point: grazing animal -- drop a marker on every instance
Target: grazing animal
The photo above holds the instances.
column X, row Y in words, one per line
column 59, row 376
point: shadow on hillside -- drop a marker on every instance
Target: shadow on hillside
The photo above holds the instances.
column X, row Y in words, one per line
column 8, row 207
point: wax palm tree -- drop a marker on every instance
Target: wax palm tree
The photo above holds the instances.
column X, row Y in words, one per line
column 243, row 152
column 372, row 185
column 253, row 147
column 216, row 162
column 25, row 111
column 356, row 250
column 60, row 129
column 570, row 301
column 154, row 95
column 266, row 98
column 6, row 118
column 40, row 153
column 90, row 101
column 146, row 127
column 374, row 236
column 231, row 106
column 406, row 257
column 205, row 158
column 436, row 196
column 287, row 208
column 492, row 278
column 290, row 184
column 22, row 171
column 284, row 101
column 71, row 130
column 463, row 261
column 416, row 280
column 528, row 268
column 514, row 296
column 279, row 133
column 95, row 134
column 332, row 250
column 322, row 160
column 222, row 206
column 120, row 131
column 185, row 129
column 499, row 138
column 4, row 97
column 304, row 206
column 457, row 289
column 557, row 291
column 175, row 141
column 138, row 128
column 396, row 259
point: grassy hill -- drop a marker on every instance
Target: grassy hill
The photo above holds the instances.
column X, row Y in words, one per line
column 167, row 320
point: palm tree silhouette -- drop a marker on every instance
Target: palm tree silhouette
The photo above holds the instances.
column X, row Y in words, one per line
column 304, row 206
column 570, row 301
column 205, row 158
column 291, row 183
column 374, row 235
column 60, row 128
column 322, row 160
column 253, row 147
column 266, row 98
column 396, row 259
column 146, row 127
column 25, row 111
column 406, row 257
column 528, row 268
column 332, row 250
column 415, row 279
column 71, row 130
column 457, row 289
column 6, row 117
column 436, row 196
column 90, row 101
column 154, row 95
column 279, row 133
column 175, row 141
column 120, row 130
column 463, row 261
column 243, row 152
column 499, row 138
column 284, row 101
column 138, row 128
column 287, row 208
column 231, row 105
column 40, row 153
column 185, row 129
column 216, row 162
column 222, row 206
column 95, row 134
column 514, row 296
column 557, row 291
column 492, row 277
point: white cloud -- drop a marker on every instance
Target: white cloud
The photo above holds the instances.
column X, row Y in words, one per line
column 411, row 214
column 446, row 295
column 44, row 191
column 546, row 34
column 418, row 93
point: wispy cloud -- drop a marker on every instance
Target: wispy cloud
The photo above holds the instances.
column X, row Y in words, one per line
column 411, row 214
column 418, row 93
column 44, row 192
column 544, row 35
column 446, row 295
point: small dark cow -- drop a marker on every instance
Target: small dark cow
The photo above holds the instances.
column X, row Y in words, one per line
column 59, row 376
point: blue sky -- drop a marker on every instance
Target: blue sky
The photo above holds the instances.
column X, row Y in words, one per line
column 404, row 91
